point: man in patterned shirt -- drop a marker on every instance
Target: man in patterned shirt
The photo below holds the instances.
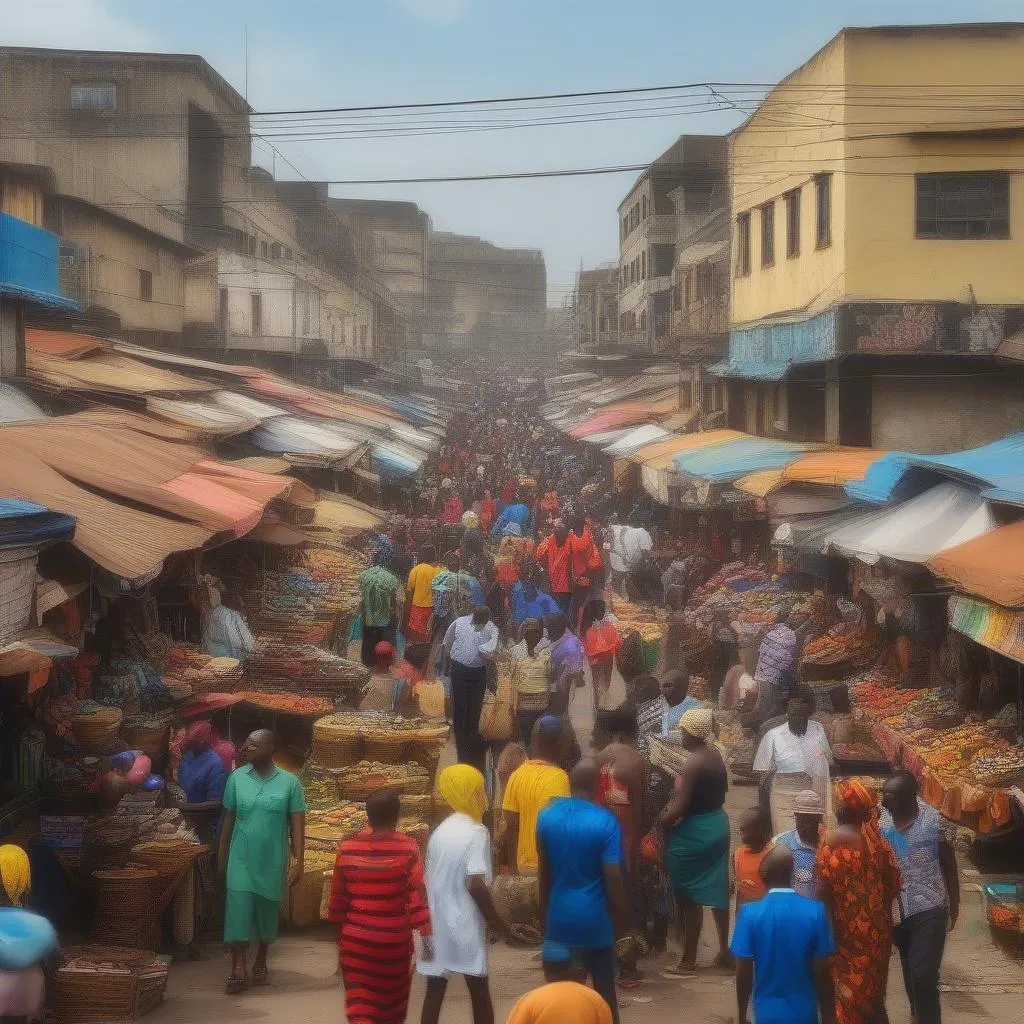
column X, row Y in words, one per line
column 923, row 844
column 802, row 841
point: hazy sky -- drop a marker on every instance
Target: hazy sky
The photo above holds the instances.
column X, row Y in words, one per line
column 328, row 53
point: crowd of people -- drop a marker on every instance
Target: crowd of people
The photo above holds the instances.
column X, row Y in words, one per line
column 505, row 582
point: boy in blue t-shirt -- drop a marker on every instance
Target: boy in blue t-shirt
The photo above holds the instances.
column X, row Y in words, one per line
column 782, row 944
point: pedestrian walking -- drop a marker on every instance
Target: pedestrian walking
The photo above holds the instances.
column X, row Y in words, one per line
column 458, row 874
column 555, row 553
column 803, row 841
column 470, row 642
column 782, row 946
column 378, row 605
column 264, row 815
column 582, row 893
column 922, row 841
column 378, row 901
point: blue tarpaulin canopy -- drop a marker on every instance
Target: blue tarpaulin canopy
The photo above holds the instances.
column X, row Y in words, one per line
column 26, row 524
column 997, row 469
column 729, row 460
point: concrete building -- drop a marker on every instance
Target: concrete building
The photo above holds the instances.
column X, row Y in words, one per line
column 648, row 233
column 485, row 298
column 596, row 309
column 877, row 240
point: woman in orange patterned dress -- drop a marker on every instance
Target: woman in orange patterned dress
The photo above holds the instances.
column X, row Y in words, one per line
column 858, row 879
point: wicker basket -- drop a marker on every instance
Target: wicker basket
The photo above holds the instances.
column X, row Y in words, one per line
column 304, row 899
column 337, row 752
column 128, row 906
column 325, row 897
column 425, row 747
column 385, row 747
column 95, row 733
column 168, row 857
column 146, row 734
column 107, row 983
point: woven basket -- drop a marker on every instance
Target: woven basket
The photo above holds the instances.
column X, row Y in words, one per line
column 128, row 906
column 384, row 747
column 417, row 830
column 151, row 740
column 304, row 899
column 426, row 749
column 167, row 857
column 325, row 899
column 107, row 983
column 414, row 805
column 95, row 733
column 337, row 752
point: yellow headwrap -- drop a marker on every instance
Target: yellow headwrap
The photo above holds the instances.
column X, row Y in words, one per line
column 15, row 872
column 461, row 786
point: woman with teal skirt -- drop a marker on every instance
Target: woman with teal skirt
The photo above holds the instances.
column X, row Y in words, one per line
column 697, row 847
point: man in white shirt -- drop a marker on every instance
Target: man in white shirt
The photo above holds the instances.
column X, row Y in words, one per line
column 794, row 757
column 470, row 642
column 458, row 875
column 626, row 546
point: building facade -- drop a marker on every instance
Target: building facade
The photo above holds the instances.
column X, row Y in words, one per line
column 876, row 241
column 597, row 309
column 648, row 233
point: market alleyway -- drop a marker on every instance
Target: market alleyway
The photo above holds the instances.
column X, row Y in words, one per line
column 984, row 984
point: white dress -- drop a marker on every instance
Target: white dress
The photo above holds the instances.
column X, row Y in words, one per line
column 458, row 850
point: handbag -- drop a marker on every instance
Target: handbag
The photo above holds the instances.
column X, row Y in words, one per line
column 498, row 712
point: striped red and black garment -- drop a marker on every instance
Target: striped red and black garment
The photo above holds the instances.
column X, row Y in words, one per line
column 378, row 899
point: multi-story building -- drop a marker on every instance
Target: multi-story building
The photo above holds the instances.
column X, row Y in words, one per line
column 878, row 234
column 485, row 298
column 648, row 233
column 597, row 309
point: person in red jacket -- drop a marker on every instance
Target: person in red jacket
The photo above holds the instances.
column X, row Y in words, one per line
column 555, row 553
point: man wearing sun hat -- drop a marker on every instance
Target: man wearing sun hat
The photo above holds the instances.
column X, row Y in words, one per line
column 802, row 841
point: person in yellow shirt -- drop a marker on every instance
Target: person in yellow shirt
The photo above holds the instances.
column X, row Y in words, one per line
column 531, row 787
column 420, row 604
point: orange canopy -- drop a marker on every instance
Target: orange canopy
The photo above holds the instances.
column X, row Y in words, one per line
column 991, row 566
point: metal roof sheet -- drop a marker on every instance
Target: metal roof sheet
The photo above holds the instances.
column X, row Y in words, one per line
column 732, row 459
column 991, row 566
column 750, row 370
column 900, row 475
column 65, row 344
column 17, row 407
column 635, row 439
column 659, row 455
column 107, row 371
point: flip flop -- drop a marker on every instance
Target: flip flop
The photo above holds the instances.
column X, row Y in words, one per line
column 675, row 974
column 629, row 983
column 259, row 977
column 236, row 985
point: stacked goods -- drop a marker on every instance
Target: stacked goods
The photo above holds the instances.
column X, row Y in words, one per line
column 844, row 642
column 325, row 829
column 643, row 620
column 306, row 669
column 318, row 785
column 733, row 572
column 286, row 703
column 148, row 733
column 358, row 781
column 129, row 902
column 342, row 739
column 107, row 842
column 169, row 858
column 188, row 667
column 1004, row 908
column 107, row 983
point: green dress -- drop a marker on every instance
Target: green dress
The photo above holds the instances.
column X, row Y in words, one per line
column 258, row 855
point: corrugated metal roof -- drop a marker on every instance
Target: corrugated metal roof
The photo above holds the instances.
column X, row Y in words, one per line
column 761, row 483
column 17, row 407
column 991, row 566
column 125, row 541
column 247, row 406
column 294, row 438
column 900, row 475
column 916, row 530
column 750, row 370
column 636, row 439
column 108, row 371
column 65, row 344
column 659, row 455
column 833, row 467
column 204, row 417
column 735, row 458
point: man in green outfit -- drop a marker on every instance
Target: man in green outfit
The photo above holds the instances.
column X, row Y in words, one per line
column 263, row 806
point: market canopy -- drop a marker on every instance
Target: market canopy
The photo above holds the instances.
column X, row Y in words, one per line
column 832, row 467
column 991, row 566
column 26, row 524
column 732, row 459
column 995, row 468
column 916, row 530
column 638, row 437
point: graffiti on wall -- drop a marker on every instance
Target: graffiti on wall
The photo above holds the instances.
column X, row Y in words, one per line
column 901, row 329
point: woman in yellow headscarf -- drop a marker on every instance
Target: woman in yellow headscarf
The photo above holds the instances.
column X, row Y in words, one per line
column 15, row 873
column 458, row 874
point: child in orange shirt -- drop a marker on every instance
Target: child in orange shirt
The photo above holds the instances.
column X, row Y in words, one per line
column 756, row 834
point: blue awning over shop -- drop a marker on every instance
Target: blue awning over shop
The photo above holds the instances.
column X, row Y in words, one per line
column 26, row 524
column 732, row 459
column 994, row 468
column 750, row 370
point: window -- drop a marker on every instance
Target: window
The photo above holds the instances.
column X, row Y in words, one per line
column 714, row 397
column 792, row 222
column 823, row 209
column 146, row 285
column 643, row 264
column 677, row 295
column 222, row 311
column 287, row 253
column 743, row 245
column 101, row 98
column 275, row 250
column 263, row 250
column 688, row 289
column 643, row 205
column 643, row 321
column 768, row 234
column 256, row 313
column 363, row 332
column 963, row 205
column 250, row 244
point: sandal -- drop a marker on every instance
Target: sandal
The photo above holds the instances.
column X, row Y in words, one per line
column 236, row 985
column 680, row 973
column 630, row 981
column 259, row 976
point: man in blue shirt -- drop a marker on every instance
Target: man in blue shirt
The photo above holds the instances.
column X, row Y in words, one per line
column 202, row 775
column 782, row 944
column 581, row 885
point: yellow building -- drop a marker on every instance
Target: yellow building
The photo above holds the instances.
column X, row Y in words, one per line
column 877, row 198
